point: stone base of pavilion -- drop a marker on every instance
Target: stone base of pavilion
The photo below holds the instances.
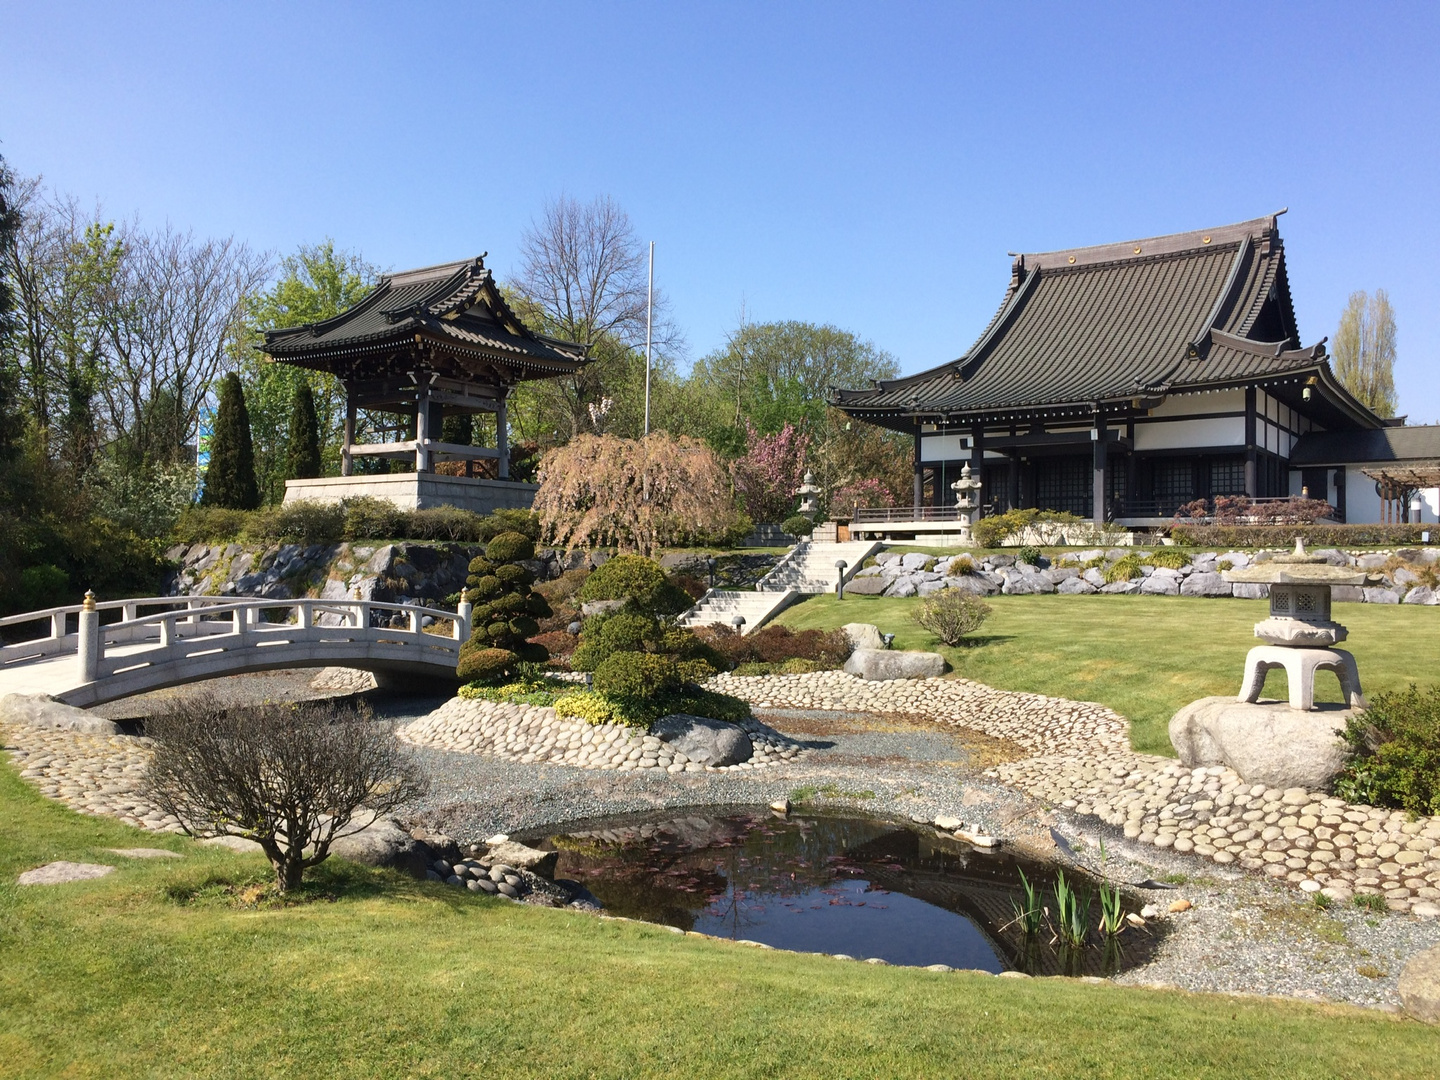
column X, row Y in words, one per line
column 417, row 491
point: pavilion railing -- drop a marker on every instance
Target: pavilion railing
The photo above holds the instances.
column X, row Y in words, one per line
column 885, row 515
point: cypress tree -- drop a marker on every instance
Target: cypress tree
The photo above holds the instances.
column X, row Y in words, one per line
column 303, row 457
column 230, row 479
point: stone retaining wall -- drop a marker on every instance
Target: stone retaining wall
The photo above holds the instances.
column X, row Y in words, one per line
column 917, row 574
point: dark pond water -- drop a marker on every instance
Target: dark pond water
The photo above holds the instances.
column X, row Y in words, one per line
column 832, row 883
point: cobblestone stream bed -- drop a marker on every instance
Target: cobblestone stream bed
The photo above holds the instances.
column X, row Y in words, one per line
column 1020, row 766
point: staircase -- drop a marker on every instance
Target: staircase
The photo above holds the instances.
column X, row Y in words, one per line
column 807, row 569
column 810, row 566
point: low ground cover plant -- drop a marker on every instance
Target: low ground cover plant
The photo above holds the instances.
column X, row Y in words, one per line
column 1396, row 745
column 951, row 614
column 293, row 778
column 777, row 649
column 310, row 521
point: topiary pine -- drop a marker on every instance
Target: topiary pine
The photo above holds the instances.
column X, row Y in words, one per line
column 505, row 611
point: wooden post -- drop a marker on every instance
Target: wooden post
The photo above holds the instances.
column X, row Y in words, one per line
column 1252, row 481
column 919, row 473
column 347, row 460
column 977, row 465
column 422, row 425
column 502, row 438
column 1101, row 460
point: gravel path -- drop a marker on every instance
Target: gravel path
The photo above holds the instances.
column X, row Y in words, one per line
column 1245, row 933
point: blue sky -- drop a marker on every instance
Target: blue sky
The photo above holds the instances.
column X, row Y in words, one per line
column 867, row 165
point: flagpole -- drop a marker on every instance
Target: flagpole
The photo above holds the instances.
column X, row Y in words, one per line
column 649, row 307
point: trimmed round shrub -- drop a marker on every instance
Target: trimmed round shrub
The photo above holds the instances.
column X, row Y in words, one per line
column 485, row 665
column 1396, row 744
column 623, row 578
column 1028, row 554
column 605, row 635
column 798, row 525
column 637, row 676
column 510, row 547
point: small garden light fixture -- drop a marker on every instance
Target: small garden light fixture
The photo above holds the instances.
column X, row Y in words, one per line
column 710, row 563
column 888, row 639
column 840, row 565
column 738, row 621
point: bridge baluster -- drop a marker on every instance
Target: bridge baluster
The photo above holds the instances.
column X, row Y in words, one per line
column 57, row 625
column 167, row 632
column 462, row 620
column 304, row 615
column 414, row 621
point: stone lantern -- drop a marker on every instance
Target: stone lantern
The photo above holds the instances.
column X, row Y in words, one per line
column 966, row 489
column 807, row 492
column 1276, row 743
column 1299, row 635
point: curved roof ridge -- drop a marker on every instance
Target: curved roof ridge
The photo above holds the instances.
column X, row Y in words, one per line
column 1154, row 245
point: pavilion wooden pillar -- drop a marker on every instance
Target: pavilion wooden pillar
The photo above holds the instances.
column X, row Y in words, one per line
column 919, row 472
column 347, row 459
column 422, row 426
column 1252, row 479
column 977, row 464
column 502, row 438
column 1101, row 460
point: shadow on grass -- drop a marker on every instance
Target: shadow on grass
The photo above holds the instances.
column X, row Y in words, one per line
column 333, row 881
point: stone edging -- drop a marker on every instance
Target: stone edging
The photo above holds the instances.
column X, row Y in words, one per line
column 533, row 734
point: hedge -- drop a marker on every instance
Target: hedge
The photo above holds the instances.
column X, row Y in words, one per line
column 1274, row 536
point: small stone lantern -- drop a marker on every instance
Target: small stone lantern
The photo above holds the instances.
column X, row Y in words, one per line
column 807, row 492
column 1299, row 635
column 966, row 489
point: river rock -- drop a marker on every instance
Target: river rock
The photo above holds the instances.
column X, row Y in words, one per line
column 1265, row 743
column 1420, row 986
column 703, row 740
column 38, row 710
column 517, row 855
column 863, row 635
column 384, row 843
column 877, row 664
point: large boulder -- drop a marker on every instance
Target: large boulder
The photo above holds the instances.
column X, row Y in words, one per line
column 384, row 843
column 1160, row 585
column 1265, row 743
column 1205, row 583
column 513, row 853
column 863, row 635
column 867, row 586
column 38, row 710
column 1075, row 586
column 879, row 664
column 1420, row 986
column 703, row 740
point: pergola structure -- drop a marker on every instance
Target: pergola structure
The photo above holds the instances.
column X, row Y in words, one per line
column 1396, row 486
column 424, row 344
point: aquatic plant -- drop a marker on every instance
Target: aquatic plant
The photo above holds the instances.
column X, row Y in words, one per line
column 1071, row 912
column 1112, row 914
column 1028, row 914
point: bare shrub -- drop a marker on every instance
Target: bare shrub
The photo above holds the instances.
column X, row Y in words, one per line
column 777, row 644
column 293, row 778
column 951, row 614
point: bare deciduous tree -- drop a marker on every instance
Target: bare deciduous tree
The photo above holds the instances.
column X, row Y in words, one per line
column 583, row 278
column 293, row 778
column 1365, row 350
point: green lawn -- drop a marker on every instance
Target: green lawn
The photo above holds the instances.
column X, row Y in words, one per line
column 1144, row 656
column 156, row 971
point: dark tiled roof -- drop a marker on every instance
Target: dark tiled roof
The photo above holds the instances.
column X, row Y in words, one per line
column 1420, row 443
column 453, row 303
column 1112, row 322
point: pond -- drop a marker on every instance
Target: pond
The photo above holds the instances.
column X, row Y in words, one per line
column 866, row 887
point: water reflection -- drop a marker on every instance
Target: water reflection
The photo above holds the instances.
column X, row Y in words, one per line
column 831, row 883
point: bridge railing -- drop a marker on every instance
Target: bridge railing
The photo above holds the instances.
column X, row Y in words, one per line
column 57, row 628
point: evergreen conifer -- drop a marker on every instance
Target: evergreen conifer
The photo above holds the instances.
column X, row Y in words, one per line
column 230, row 479
column 303, row 458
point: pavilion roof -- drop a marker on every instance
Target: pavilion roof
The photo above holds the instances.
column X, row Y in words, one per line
column 1392, row 448
column 453, row 312
column 1087, row 326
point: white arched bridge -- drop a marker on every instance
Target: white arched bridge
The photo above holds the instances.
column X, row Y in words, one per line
column 89, row 653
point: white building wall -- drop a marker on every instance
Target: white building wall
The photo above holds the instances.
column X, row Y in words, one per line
column 944, row 447
column 1182, row 434
column 1208, row 402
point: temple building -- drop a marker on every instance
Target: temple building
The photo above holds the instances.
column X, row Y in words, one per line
column 425, row 345
column 1124, row 381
